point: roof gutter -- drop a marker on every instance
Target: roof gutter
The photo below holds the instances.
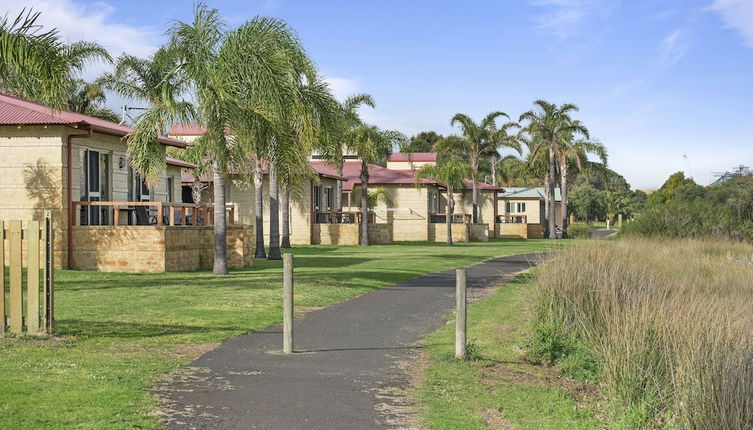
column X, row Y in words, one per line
column 69, row 189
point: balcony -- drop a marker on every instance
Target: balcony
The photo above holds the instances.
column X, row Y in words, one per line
column 146, row 214
column 341, row 217
column 455, row 218
column 512, row 219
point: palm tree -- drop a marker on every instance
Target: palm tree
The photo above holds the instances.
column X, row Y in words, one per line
column 349, row 120
column 499, row 138
column 371, row 145
column 87, row 98
column 549, row 125
column 476, row 137
column 575, row 152
column 451, row 173
column 36, row 65
column 240, row 80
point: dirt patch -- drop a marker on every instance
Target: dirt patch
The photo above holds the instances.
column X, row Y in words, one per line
column 190, row 351
column 399, row 406
column 493, row 420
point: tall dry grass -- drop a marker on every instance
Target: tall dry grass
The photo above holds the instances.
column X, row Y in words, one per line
column 666, row 324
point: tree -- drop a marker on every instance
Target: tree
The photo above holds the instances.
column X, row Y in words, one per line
column 549, row 125
column 451, row 173
column 475, row 139
column 243, row 83
column 615, row 203
column 423, row 142
column 87, row 98
column 371, row 145
column 36, row 65
column 349, row 121
column 587, row 203
column 499, row 138
column 666, row 192
column 575, row 153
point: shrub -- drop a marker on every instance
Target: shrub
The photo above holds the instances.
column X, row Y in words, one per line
column 578, row 231
column 664, row 323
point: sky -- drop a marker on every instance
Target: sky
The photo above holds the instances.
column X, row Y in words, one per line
column 666, row 85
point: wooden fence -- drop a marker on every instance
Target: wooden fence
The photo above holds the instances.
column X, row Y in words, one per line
column 36, row 242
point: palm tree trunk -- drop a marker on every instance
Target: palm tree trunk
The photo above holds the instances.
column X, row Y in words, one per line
column 220, row 222
column 550, row 193
column 474, row 197
column 339, row 192
column 285, row 203
column 448, row 215
column 259, row 211
column 563, row 193
column 364, row 204
column 274, row 217
column 495, row 160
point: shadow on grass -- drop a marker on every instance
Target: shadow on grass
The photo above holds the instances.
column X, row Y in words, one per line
column 125, row 330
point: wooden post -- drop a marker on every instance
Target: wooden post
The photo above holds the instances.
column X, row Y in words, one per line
column 172, row 215
column 160, row 211
column 608, row 222
column 460, row 317
column 2, row 277
column 32, row 278
column 619, row 221
column 16, row 294
column 116, row 215
column 49, row 272
column 287, row 303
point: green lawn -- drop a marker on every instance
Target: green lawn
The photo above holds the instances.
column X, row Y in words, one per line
column 501, row 389
column 118, row 333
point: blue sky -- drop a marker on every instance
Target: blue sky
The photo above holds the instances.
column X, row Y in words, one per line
column 655, row 80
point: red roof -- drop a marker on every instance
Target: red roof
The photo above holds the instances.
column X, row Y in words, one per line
column 17, row 111
column 187, row 130
column 320, row 168
column 481, row 186
column 181, row 163
column 413, row 156
column 377, row 174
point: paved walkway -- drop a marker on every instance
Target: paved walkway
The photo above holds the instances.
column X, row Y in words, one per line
column 602, row 233
column 350, row 360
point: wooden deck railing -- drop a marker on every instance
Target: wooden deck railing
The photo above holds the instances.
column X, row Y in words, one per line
column 165, row 213
column 512, row 219
column 341, row 217
column 456, row 218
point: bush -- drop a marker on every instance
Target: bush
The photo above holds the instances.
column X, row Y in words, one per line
column 578, row 231
column 665, row 324
column 724, row 210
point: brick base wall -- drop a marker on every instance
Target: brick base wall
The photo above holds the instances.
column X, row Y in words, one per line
column 157, row 248
column 513, row 231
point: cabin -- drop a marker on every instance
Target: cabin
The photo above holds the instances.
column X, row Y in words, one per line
column 106, row 217
column 523, row 212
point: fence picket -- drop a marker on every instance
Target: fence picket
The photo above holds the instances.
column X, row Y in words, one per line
column 16, row 294
column 32, row 278
column 2, row 277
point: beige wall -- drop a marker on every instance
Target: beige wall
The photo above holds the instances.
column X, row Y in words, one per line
column 407, row 165
column 409, row 214
column 33, row 163
column 156, row 248
column 534, row 207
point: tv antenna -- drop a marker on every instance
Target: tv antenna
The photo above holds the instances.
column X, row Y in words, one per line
column 125, row 115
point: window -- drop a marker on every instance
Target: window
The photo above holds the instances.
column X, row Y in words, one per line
column 170, row 195
column 95, row 185
column 515, row 207
column 329, row 198
column 317, row 198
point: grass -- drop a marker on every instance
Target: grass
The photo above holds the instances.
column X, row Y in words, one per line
column 663, row 324
column 499, row 388
column 117, row 334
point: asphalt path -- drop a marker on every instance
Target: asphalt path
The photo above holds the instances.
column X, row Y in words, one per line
column 349, row 367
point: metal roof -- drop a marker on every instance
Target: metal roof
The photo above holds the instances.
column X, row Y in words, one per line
column 18, row 111
column 528, row 193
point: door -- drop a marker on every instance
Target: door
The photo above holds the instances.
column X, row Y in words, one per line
column 95, row 186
